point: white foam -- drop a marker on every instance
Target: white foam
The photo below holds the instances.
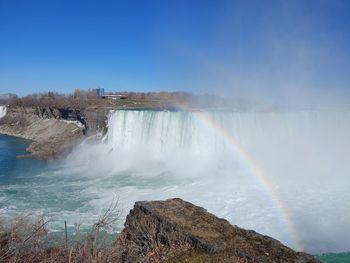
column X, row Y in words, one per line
column 160, row 155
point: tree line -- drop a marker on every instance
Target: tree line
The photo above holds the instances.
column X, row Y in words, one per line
column 81, row 99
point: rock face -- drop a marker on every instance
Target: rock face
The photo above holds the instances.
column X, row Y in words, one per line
column 52, row 131
column 96, row 119
column 178, row 231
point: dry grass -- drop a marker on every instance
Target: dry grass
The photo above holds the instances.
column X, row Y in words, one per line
column 148, row 239
column 24, row 239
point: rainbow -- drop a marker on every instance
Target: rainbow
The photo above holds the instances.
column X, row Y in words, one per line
column 254, row 169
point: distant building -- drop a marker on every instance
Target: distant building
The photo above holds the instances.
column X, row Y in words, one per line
column 115, row 97
column 100, row 92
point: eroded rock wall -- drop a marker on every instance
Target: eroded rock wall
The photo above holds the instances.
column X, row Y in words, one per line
column 51, row 134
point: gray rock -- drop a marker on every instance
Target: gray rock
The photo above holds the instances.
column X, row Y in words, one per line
column 178, row 231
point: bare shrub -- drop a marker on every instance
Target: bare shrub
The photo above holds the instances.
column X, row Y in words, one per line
column 24, row 239
column 83, row 99
column 77, row 101
column 93, row 246
column 150, row 239
column 21, row 238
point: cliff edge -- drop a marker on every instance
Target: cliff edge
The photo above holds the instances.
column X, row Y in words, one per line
column 51, row 130
column 178, row 231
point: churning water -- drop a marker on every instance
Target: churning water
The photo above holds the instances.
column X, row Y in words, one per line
column 284, row 174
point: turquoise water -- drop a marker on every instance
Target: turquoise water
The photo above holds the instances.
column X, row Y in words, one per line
column 31, row 185
column 13, row 170
column 335, row 258
column 161, row 155
column 57, row 191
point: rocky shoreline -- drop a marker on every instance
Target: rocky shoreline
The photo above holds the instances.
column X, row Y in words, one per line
column 51, row 134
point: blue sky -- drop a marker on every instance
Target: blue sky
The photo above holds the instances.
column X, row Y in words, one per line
column 284, row 49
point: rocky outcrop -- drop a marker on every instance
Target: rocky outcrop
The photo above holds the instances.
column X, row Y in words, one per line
column 52, row 131
column 96, row 120
column 60, row 114
column 178, row 231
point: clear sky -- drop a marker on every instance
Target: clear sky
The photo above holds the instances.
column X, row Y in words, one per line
column 282, row 49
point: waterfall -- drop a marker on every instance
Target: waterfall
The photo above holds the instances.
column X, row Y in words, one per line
column 196, row 132
column 162, row 131
column 3, row 111
column 224, row 161
column 316, row 141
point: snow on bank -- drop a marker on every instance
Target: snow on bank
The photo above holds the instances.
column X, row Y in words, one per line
column 77, row 123
column 3, row 111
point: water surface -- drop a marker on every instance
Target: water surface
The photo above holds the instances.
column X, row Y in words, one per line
column 159, row 155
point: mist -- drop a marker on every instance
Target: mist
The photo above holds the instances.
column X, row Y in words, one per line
column 286, row 62
column 288, row 54
column 301, row 154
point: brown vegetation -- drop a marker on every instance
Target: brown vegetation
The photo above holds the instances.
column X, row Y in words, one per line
column 81, row 100
column 77, row 101
column 24, row 239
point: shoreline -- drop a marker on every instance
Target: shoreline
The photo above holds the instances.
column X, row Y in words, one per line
column 29, row 141
column 50, row 137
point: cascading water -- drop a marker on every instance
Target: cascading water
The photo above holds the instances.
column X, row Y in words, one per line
column 284, row 174
column 230, row 163
column 3, row 111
